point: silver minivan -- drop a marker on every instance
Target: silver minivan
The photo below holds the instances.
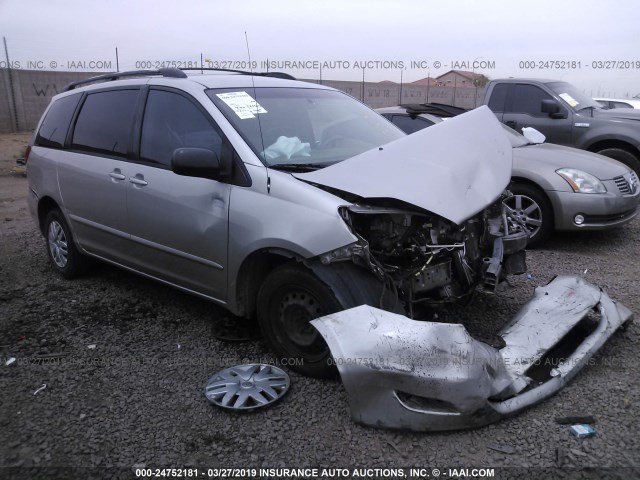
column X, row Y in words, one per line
column 278, row 199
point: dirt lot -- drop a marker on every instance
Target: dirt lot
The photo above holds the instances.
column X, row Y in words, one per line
column 136, row 399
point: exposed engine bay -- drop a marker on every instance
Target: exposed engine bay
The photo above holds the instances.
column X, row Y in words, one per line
column 425, row 259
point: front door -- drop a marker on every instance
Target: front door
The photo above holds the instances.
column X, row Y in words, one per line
column 524, row 109
column 178, row 224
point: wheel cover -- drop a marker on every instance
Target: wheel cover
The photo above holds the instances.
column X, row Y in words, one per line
column 247, row 387
column 527, row 211
column 58, row 246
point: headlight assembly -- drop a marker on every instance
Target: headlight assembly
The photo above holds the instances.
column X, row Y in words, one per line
column 581, row 182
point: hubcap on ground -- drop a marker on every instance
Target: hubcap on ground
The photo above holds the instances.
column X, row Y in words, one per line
column 58, row 244
column 247, row 387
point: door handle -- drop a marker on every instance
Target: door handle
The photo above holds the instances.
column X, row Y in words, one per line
column 138, row 181
column 117, row 175
column 511, row 123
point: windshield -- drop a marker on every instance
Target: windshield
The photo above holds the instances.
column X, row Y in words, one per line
column 303, row 128
column 572, row 96
column 516, row 139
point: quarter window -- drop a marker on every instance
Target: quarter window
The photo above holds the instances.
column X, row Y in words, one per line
column 55, row 125
column 172, row 121
column 104, row 123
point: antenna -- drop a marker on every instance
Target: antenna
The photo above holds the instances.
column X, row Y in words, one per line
column 255, row 99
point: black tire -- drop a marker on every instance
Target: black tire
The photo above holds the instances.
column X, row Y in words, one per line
column 532, row 206
column 290, row 297
column 624, row 156
column 65, row 258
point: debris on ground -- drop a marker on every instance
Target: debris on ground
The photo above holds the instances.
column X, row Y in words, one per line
column 561, row 456
column 508, row 449
column 40, row 388
column 582, row 431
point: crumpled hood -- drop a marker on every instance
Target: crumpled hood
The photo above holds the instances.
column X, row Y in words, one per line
column 453, row 169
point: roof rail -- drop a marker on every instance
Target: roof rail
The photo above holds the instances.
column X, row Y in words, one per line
column 244, row 72
column 165, row 72
column 169, row 73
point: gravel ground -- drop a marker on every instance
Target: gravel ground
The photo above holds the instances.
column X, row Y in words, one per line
column 136, row 399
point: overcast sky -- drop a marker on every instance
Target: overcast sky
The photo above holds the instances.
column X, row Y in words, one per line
column 597, row 34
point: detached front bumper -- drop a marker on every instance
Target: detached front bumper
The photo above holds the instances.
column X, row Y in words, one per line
column 426, row 376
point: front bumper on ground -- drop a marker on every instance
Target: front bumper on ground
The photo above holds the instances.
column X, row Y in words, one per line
column 426, row 376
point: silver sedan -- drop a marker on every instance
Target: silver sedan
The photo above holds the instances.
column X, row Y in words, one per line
column 554, row 187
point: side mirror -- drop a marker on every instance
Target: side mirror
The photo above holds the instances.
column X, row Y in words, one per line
column 552, row 108
column 198, row 162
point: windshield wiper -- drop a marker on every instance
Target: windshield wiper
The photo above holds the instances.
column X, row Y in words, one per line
column 297, row 167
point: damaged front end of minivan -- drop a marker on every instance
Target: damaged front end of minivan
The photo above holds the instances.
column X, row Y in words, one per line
column 431, row 232
column 429, row 213
column 424, row 260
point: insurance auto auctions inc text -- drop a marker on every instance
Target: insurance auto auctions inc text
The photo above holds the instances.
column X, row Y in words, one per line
column 368, row 473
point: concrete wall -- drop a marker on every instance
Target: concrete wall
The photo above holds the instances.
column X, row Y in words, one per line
column 33, row 89
column 387, row 94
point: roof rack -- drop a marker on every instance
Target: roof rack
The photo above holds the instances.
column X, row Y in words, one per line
column 244, row 72
column 438, row 109
column 165, row 72
column 169, row 73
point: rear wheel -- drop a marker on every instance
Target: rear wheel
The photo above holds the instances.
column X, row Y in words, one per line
column 290, row 297
column 63, row 254
column 531, row 207
column 625, row 156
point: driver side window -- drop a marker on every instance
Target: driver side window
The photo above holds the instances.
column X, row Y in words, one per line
column 172, row 121
column 528, row 99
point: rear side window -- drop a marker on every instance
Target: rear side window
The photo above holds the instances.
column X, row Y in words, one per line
column 172, row 121
column 620, row 105
column 104, row 122
column 55, row 125
column 498, row 97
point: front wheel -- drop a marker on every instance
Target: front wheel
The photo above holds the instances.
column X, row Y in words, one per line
column 290, row 297
column 63, row 254
column 532, row 208
column 624, row 156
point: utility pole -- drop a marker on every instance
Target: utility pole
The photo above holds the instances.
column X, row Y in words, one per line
column 12, row 92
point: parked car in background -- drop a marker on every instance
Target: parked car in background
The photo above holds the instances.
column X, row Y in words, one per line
column 554, row 187
column 566, row 116
column 618, row 102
